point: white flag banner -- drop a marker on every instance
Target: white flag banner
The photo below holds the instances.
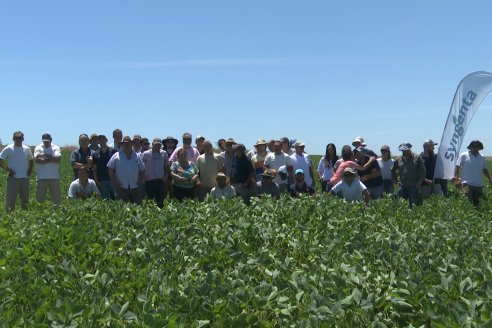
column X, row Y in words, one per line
column 469, row 95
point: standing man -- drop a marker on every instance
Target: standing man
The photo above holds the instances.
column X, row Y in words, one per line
column 156, row 163
column 430, row 185
column 301, row 160
column 209, row 164
column 199, row 144
column 126, row 171
column 228, row 156
column 191, row 152
column 19, row 167
column 82, row 158
column 472, row 165
column 47, row 157
column 275, row 161
column 117, row 137
column 100, row 168
column 412, row 173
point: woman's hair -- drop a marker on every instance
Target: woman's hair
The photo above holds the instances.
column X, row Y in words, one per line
column 346, row 153
column 181, row 151
column 329, row 162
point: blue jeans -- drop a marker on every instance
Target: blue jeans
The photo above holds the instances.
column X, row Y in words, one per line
column 107, row 189
column 410, row 193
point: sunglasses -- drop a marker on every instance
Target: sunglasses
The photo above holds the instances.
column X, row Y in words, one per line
column 18, row 138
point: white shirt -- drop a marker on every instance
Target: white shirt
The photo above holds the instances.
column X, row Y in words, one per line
column 352, row 192
column 325, row 170
column 471, row 168
column 302, row 162
column 76, row 186
column 50, row 170
column 386, row 167
column 126, row 170
column 18, row 159
column 274, row 161
column 227, row 192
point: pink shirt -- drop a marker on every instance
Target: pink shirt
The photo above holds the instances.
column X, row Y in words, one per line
column 337, row 177
column 191, row 153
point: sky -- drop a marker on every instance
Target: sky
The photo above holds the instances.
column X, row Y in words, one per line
column 317, row 71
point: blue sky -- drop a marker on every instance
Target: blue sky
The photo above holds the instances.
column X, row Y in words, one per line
column 318, row 71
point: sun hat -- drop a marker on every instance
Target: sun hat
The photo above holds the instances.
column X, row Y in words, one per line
column 221, row 175
column 359, row 140
column 93, row 136
column 199, row 137
column 260, row 142
column 385, row 147
column 475, row 143
column 405, row 146
column 156, row 141
column 170, row 139
column 299, row 144
column 230, row 141
column 271, row 173
column 349, row 170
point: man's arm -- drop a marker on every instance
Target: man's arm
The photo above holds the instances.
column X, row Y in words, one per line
column 487, row 174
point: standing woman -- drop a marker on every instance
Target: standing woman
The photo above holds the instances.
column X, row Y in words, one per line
column 326, row 164
column 184, row 176
column 388, row 170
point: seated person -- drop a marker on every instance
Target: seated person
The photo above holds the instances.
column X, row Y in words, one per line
column 83, row 187
column 266, row 186
column 350, row 188
column 300, row 186
column 223, row 189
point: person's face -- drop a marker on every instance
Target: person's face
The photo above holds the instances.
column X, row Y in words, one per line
column 146, row 145
column 261, row 148
column 117, row 136
column 83, row 142
column 384, row 153
column 187, row 140
column 93, row 141
column 199, row 142
column 356, row 144
column 285, row 146
column 349, row 178
column 127, row 146
column 47, row 143
column 267, row 181
column 136, row 143
column 331, row 150
column 299, row 177
column 229, row 146
column 407, row 153
column 102, row 141
column 429, row 148
column 300, row 150
column 18, row 138
column 277, row 147
column 83, row 176
column 474, row 149
column 169, row 144
column 221, row 182
column 156, row 147
column 208, row 149
column 182, row 156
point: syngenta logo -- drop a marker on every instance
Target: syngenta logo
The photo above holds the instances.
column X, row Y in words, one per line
column 452, row 152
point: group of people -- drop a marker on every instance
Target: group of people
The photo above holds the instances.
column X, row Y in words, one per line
column 131, row 169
